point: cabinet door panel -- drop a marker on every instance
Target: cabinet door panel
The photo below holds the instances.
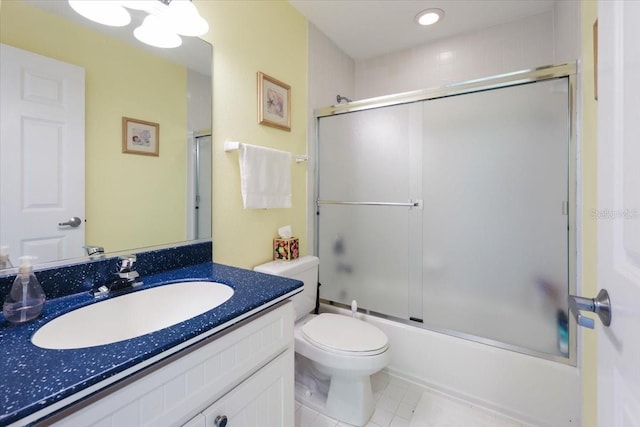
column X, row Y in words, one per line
column 197, row 421
column 264, row 400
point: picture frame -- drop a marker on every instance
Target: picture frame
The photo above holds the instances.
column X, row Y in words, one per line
column 140, row 137
column 274, row 102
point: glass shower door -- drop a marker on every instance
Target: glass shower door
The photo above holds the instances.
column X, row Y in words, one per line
column 453, row 211
column 495, row 237
column 368, row 162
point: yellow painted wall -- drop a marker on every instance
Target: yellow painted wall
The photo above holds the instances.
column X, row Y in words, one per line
column 589, row 202
column 252, row 36
column 132, row 201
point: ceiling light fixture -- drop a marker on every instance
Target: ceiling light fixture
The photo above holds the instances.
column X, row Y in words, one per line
column 154, row 33
column 167, row 20
column 105, row 12
column 185, row 19
column 429, row 16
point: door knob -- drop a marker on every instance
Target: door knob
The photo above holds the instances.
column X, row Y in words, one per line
column 74, row 221
column 220, row 421
column 601, row 305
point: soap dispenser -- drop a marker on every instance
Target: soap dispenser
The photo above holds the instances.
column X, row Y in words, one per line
column 26, row 297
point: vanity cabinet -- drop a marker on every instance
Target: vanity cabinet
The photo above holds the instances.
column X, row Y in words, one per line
column 197, row 421
column 263, row 400
column 244, row 373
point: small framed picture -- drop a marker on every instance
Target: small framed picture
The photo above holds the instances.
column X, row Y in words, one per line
column 274, row 102
column 140, row 137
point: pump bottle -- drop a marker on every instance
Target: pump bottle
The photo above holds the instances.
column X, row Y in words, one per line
column 26, row 297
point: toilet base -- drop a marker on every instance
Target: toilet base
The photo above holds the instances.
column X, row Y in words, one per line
column 350, row 400
column 345, row 398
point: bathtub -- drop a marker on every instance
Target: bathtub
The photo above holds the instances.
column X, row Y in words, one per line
column 532, row 390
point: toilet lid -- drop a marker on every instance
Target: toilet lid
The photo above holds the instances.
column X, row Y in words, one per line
column 343, row 334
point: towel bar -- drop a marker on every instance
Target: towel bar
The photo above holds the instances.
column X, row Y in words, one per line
column 235, row 145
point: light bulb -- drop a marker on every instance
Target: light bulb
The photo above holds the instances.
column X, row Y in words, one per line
column 150, row 6
column 429, row 16
column 184, row 18
column 106, row 12
column 154, row 33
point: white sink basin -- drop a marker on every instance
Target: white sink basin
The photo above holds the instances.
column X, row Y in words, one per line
column 131, row 315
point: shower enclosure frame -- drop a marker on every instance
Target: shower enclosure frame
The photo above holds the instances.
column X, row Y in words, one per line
column 550, row 72
column 195, row 201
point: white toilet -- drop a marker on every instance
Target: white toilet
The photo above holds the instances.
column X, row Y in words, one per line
column 335, row 354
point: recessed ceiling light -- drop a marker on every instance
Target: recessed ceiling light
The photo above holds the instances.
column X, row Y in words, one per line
column 429, row 16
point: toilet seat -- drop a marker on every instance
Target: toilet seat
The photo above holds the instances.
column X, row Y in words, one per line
column 344, row 335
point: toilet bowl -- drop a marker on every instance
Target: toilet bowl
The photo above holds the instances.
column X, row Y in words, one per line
column 335, row 354
column 348, row 363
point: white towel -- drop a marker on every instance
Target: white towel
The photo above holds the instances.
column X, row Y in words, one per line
column 265, row 177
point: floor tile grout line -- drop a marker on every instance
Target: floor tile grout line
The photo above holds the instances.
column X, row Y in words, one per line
column 446, row 410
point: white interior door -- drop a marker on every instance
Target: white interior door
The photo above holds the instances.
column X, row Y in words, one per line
column 619, row 211
column 41, row 155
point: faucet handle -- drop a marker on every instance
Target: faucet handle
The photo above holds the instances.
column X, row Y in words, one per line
column 93, row 250
column 126, row 262
column 126, row 271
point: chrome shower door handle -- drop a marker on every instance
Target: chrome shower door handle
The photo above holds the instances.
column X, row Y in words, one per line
column 601, row 305
column 74, row 221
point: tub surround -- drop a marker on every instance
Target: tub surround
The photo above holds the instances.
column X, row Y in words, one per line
column 38, row 381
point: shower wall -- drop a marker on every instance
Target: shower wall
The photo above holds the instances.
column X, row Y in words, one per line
column 552, row 37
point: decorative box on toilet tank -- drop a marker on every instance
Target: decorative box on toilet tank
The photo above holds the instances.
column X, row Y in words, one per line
column 285, row 249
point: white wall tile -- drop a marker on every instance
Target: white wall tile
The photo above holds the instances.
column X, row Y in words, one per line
column 331, row 71
column 523, row 44
column 567, row 30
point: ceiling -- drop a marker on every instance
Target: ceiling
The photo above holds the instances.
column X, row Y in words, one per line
column 363, row 28
column 368, row 28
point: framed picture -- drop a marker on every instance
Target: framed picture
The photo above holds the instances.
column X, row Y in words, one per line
column 274, row 102
column 140, row 137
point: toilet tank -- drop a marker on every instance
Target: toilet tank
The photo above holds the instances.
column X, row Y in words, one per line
column 304, row 269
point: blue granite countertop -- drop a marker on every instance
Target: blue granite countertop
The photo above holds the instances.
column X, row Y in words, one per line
column 32, row 379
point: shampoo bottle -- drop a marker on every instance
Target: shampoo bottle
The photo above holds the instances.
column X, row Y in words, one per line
column 26, row 297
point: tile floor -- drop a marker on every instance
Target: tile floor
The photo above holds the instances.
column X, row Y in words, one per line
column 401, row 404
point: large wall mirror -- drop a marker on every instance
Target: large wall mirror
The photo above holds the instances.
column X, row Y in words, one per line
column 127, row 200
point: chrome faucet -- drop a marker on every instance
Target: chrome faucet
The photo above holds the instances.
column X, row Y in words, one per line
column 127, row 277
column 94, row 250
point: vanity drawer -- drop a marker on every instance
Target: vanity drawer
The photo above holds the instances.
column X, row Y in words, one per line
column 187, row 382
